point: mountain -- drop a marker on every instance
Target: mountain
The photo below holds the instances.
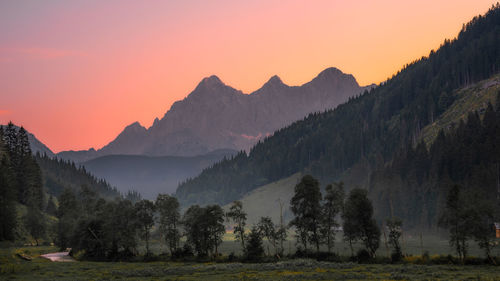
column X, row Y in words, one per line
column 151, row 175
column 216, row 116
column 366, row 134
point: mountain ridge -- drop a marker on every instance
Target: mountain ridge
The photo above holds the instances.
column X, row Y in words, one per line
column 217, row 116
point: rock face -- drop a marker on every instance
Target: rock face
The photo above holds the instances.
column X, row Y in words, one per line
column 217, row 116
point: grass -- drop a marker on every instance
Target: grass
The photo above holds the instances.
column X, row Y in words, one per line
column 298, row 269
column 263, row 201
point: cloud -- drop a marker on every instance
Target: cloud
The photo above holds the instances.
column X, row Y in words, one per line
column 38, row 53
column 4, row 112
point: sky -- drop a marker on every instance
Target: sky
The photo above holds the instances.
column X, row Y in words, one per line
column 75, row 73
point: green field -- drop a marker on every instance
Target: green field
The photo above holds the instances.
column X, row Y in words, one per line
column 14, row 268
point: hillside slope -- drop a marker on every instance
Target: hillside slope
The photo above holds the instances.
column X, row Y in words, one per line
column 469, row 99
column 386, row 184
column 58, row 174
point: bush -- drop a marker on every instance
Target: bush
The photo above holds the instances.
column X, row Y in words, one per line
column 232, row 257
column 425, row 257
column 396, row 257
column 363, row 256
column 325, row 256
column 300, row 253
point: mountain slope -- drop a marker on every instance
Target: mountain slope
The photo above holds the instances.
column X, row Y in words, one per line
column 265, row 201
column 469, row 99
column 394, row 187
column 151, row 175
column 369, row 128
column 217, row 116
column 58, row 174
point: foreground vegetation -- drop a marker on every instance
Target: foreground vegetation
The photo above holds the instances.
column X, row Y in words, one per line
column 13, row 268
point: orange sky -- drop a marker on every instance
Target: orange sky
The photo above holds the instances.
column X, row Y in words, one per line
column 76, row 72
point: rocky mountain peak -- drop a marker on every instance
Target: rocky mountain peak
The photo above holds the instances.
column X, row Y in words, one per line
column 135, row 127
column 210, row 82
column 275, row 80
column 333, row 75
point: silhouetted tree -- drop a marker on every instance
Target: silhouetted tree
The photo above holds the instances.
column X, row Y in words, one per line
column 394, row 225
column 358, row 221
column 254, row 250
column 458, row 218
column 268, row 230
column 332, row 207
column 239, row 217
column 306, row 207
column 144, row 211
column 169, row 219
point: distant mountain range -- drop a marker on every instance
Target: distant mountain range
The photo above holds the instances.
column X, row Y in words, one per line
column 216, row 116
column 151, row 175
column 212, row 122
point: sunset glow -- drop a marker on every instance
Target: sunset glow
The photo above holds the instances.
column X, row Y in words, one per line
column 75, row 73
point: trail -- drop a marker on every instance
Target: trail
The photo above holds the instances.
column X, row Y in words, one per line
column 59, row 257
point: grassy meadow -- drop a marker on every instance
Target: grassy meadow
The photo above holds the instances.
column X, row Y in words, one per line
column 297, row 269
column 12, row 267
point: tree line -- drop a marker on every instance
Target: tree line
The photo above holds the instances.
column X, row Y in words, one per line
column 112, row 229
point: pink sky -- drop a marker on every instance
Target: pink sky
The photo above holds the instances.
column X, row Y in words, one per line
column 75, row 73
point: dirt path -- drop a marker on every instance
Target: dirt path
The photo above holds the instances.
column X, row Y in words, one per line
column 60, row 256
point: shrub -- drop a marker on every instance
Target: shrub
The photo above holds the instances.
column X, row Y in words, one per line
column 232, row 257
column 396, row 257
column 363, row 256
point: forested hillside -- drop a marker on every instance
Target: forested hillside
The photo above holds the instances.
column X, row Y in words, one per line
column 59, row 174
column 25, row 181
column 371, row 128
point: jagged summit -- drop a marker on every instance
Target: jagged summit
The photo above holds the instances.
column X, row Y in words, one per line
column 332, row 74
column 210, row 82
column 216, row 116
column 334, row 78
column 133, row 128
column 275, row 79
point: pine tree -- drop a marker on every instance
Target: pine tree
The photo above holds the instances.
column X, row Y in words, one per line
column 51, row 208
column 8, row 216
column 35, row 223
column 254, row 250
